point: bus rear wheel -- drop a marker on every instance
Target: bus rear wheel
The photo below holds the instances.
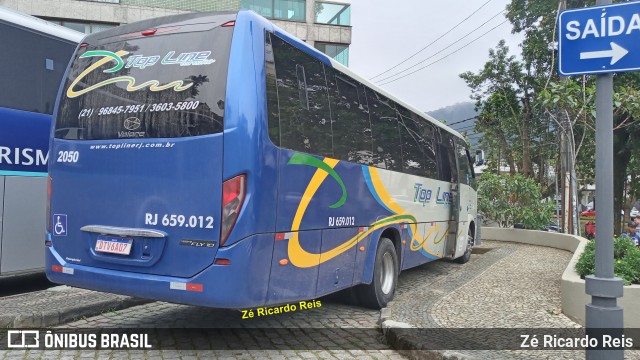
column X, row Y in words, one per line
column 385, row 277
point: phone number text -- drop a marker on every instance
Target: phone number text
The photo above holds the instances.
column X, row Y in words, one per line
column 134, row 109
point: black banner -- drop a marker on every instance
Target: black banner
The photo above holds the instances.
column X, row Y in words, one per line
column 320, row 339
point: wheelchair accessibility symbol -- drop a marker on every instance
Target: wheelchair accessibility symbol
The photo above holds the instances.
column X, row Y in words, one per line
column 60, row 224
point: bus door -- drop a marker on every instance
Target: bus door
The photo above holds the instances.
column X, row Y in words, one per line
column 449, row 172
column 464, row 197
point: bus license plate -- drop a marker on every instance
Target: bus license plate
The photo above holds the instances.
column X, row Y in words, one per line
column 114, row 245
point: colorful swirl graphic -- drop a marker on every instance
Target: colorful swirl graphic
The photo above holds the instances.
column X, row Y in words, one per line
column 301, row 258
column 383, row 197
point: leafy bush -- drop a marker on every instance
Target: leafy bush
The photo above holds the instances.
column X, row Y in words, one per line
column 626, row 260
column 622, row 246
column 586, row 264
column 513, row 199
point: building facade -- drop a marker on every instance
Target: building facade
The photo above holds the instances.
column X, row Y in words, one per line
column 326, row 25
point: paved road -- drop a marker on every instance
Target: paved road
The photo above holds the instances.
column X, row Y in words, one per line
column 439, row 294
column 281, row 333
column 506, row 285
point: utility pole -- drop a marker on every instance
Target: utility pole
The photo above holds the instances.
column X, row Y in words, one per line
column 567, row 170
column 569, row 183
column 604, row 287
column 575, row 219
column 565, row 183
column 586, row 56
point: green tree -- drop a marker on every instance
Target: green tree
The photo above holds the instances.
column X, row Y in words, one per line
column 514, row 128
column 574, row 99
column 513, row 199
column 570, row 104
column 524, row 105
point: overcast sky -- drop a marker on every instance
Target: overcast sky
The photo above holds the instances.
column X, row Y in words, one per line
column 387, row 32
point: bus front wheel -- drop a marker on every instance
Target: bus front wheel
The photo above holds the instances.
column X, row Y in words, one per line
column 385, row 277
column 467, row 254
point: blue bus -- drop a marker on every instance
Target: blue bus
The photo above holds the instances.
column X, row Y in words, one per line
column 215, row 160
column 35, row 56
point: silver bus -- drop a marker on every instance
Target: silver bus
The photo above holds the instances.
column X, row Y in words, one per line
column 35, row 54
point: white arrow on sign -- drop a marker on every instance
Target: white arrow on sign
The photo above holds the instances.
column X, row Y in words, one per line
column 616, row 53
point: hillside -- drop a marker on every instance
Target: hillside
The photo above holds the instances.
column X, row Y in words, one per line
column 457, row 114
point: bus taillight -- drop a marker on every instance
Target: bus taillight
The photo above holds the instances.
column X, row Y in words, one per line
column 233, row 192
column 49, row 203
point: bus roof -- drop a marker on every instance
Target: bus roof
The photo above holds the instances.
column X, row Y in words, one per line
column 13, row 17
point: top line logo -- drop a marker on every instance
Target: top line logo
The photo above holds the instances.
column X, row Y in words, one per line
column 183, row 59
column 139, row 61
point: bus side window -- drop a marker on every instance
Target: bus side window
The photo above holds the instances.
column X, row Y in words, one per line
column 54, row 63
column 387, row 153
column 428, row 132
column 465, row 174
column 273, row 113
column 418, row 157
column 350, row 120
column 300, row 79
column 447, row 170
column 33, row 90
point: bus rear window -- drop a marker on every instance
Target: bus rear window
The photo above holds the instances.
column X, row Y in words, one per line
column 162, row 86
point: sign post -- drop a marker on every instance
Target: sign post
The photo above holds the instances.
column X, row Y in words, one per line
column 601, row 40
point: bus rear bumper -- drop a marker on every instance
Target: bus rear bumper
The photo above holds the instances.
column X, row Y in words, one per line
column 241, row 284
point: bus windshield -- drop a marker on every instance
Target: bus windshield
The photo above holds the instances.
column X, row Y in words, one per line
column 166, row 85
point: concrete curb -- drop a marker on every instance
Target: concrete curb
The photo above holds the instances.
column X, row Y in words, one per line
column 398, row 337
column 63, row 304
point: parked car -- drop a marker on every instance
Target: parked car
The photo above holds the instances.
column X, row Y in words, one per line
column 552, row 228
column 588, row 213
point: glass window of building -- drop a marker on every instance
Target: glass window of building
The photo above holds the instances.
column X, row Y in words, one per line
column 292, row 10
column 333, row 14
column 262, row 7
column 338, row 52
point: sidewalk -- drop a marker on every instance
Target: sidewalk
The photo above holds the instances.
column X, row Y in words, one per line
column 58, row 305
column 505, row 285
